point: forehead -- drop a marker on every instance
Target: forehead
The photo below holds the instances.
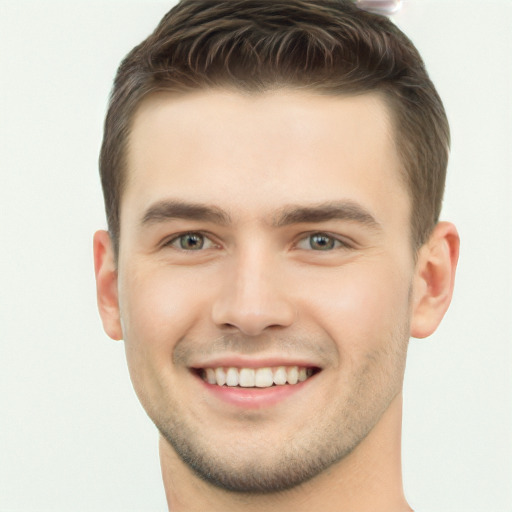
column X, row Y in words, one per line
column 244, row 152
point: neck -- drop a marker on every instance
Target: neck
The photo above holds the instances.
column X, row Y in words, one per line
column 367, row 480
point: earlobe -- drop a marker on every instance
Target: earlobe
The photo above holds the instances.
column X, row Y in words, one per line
column 434, row 279
column 106, row 284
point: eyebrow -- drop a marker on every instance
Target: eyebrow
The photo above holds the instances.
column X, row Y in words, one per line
column 168, row 210
column 342, row 210
column 294, row 214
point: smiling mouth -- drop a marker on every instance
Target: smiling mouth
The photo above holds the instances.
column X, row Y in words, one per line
column 256, row 377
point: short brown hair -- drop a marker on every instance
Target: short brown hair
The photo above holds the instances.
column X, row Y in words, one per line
column 327, row 46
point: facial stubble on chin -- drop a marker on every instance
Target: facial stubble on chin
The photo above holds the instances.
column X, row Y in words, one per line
column 302, row 455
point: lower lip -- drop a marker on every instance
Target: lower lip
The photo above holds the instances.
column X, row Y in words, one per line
column 255, row 398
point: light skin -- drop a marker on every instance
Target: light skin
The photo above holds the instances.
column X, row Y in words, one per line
column 257, row 231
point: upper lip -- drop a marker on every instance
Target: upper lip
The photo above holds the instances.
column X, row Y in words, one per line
column 252, row 362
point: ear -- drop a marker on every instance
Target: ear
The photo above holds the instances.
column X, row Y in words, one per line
column 434, row 279
column 106, row 284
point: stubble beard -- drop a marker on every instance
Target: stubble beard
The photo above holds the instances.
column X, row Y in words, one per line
column 264, row 468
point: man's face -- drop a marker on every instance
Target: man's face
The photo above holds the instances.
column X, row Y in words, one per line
column 264, row 238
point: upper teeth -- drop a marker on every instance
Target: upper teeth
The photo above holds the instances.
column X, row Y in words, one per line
column 256, row 377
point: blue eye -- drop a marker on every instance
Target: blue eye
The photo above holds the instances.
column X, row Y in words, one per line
column 319, row 242
column 191, row 242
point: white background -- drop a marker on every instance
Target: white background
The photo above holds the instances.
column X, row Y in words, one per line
column 72, row 434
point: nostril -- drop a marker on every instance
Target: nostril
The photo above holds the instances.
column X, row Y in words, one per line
column 254, row 323
column 228, row 326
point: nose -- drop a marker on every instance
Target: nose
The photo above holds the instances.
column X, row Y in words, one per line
column 253, row 296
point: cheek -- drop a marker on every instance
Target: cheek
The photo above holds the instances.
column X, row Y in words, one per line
column 362, row 307
column 158, row 307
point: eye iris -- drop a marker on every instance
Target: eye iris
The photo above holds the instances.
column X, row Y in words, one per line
column 192, row 241
column 321, row 242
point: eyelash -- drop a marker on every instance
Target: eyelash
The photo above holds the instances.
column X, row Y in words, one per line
column 337, row 243
column 334, row 242
column 173, row 242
